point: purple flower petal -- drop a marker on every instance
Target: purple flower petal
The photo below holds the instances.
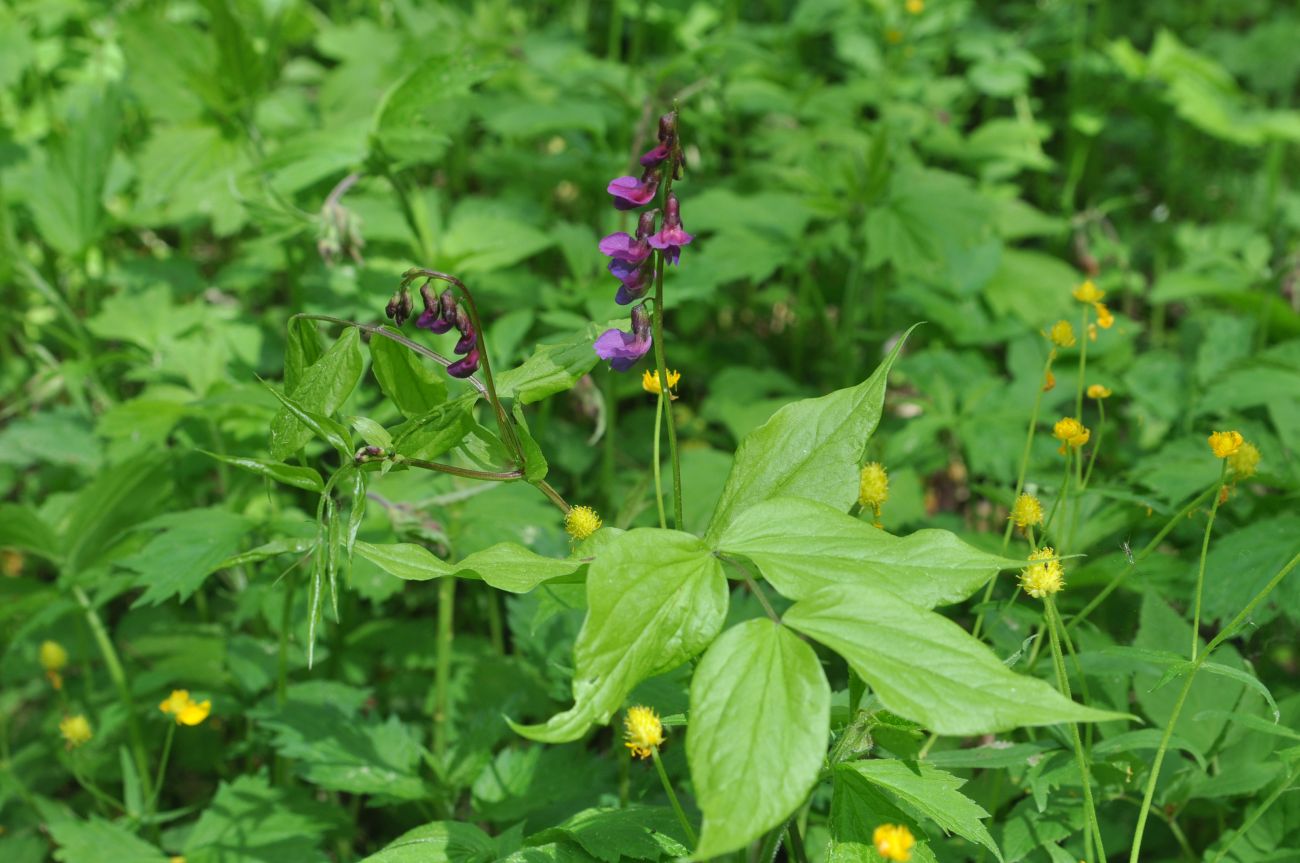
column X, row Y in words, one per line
column 622, row 349
column 465, row 366
column 655, row 156
column 630, row 193
column 623, row 247
column 433, row 323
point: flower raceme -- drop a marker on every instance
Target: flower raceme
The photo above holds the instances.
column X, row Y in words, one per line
column 1226, row 443
column 1044, row 576
column 1071, row 433
column 645, row 733
column 186, row 710
column 893, row 842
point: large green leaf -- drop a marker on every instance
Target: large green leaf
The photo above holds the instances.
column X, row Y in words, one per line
column 760, row 713
column 20, row 527
column 193, row 544
column 248, row 821
column 931, row 792
column 433, row 433
column 928, row 669
column 611, row 835
column 655, row 598
column 810, row 449
column 439, row 842
column 412, row 386
column 551, row 369
column 96, row 840
column 116, row 500
column 801, row 546
column 418, row 116
column 323, row 388
column 505, row 566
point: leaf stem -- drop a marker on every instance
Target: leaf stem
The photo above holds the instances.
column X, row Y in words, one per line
column 659, row 485
column 442, row 669
column 162, row 768
column 1205, row 547
column 672, row 797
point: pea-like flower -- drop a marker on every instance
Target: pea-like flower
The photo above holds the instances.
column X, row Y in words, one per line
column 439, row 314
column 1044, row 576
column 634, row 281
column 621, row 349
column 894, row 842
column 1026, row 511
column 75, row 730
column 671, row 237
column 622, row 246
column 1225, row 444
column 645, row 733
column 630, row 193
column 1244, row 461
column 1071, row 433
column 581, row 522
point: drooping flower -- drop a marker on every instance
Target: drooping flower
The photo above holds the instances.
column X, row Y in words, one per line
column 1226, row 443
column 1062, row 334
column 53, row 658
column 630, row 193
column 671, row 236
column 75, row 730
column 621, row 349
column 1097, row 391
column 1026, row 511
column 1244, row 461
column 439, row 313
column 645, row 733
column 1071, row 433
column 1088, row 292
column 1044, row 576
column 581, row 522
column 650, row 381
column 894, row 842
column 634, row 282
column 1105, row 319
column 186, row 710
column 465, row 366
column 622, row 246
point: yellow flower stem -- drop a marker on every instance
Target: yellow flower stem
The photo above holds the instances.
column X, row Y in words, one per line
column 1224, row 634
column 659, row 485
column 1096, row 444
column 162, row 768
column 118, row 675
column 1053, row 624
column 1139, row 557
column 1083, row 364
column 1020, row 486
column 672, row 798
column 1060, row 496
column 1205, row 547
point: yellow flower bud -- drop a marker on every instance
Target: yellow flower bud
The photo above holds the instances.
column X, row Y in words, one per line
column 1044, row 577
column 1062, row 334
column 1224, row 444
column 1026, row 511
column 75, row 730
column 1105, row 319
column 1049, row 383
column 1097, row 391
column 1243, row 462
column 894, row 842
column 581, row 522
column 914, row 7
column 645, row 733
column 52, row 656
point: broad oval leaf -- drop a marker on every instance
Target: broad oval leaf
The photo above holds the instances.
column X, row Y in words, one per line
column 801, row 546
column 655, row 598
column 760, row 714
column 413, row 387
column 928, row 669
column 439, row 842
column 505, row 566
column 810, row 449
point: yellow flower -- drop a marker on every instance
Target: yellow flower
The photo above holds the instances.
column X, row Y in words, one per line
column 1105, row 319
column 1062, row 334
column 1049, row 383
column 873, row 485
column 52, row 656
column 1097, row 391
column 186, row 710
column 1088, row 292
column 914, row 7
column 1071, row 433
column 1243, row 462
column 644, row 731
column 1027, row 511
column 75, row 730
column 650, row 381
column 1043, row 578
column 581, row 522
column 894, row 842
column 175, row 702
column 1226, row 443
column 176, row 858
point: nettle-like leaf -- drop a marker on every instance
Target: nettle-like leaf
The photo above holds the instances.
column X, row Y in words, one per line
column 928, row 669
column 801, row 546
column 505, row 566
column 655, row 598
column 810, row 449
column 760, row 710
column 192, row 545
column 323, row 387
column 611, row 835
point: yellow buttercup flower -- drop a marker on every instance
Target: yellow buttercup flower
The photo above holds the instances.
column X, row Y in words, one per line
column 1062, row 334
column 581, row 522
column 914, row 7
column 1045, row 577
column 186, row 710
column 1226, row 443
column 894, row 842
column 1088, row 292
column 75, row 730
column 1071, row 433
column 1105, row 319
column 650, row 381
column 1243, row 462
column 1097, row 391
column 1026, row 511
column 645, row 733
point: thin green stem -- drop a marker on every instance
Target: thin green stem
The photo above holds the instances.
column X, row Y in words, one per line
column 661, row 369
column 1096, row 444
column 1262, row 808
column 800, row 854
column 659, row 485
column 491, row 476
column 442, row 668
column 672, row 797
column 162, row 768
column 1083, row 364
column 1205, row 548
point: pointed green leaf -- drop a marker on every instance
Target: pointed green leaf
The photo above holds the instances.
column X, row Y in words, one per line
column 97, row 840
column 305, row 478
column 801, row 546
column 655, row 598
column 323, row 388
column 810, row 449
column 760, row 715
column 505, row 566
column 439, row 842
column 928, row 669
column 329, row 430
column 434, row 433
column 20, row 527
column 412, row 386
column 551, row 369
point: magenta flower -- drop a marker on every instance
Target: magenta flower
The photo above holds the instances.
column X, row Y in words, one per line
column 621, row 246
column 622, row 349
column 465, row 366
column 630, row 193
column 655, row 156
column 671, row 237
column 634, row 282
column 439, row 313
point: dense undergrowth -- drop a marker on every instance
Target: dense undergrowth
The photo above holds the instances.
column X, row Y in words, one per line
column 798, row 578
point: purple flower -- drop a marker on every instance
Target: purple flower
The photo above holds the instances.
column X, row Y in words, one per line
column 635, row 281
column 671, row 237
column 465, row 366
column 624, row 349
column 621, row 246
column 630, row 193
column 439, row 311
column 657, row 155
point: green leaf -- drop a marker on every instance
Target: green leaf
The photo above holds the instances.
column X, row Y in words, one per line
column 324, row 386
column 302, row 349
column 412, row 386
column 931, row 792
column 965, row 688
column 328, row 429
column 96, row 840
column 372, row 432
column 116, row 500
column 418, row 116
column 505, row 566
column 439, row 842
column 655, row 598
column 552, row 369
column 812, row 449
column 1144, row 738
column 801, row 546
column 759, row 724
column 248, row 821
column 927, row 216
column 305, row 478
column 434, row 433
column 22, row 528
column 611, row 835
column 193, row 544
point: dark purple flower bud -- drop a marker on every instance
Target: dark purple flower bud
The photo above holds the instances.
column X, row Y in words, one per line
column 635, row 281
column 622, row 349
column 630, row 193
column 465, row 366
column 645, row 226
column 465, row 326
column 399, row 308
column 668, row 126
column 622, row 247
column 671, row 237
column 656, row 155
column 433, row 318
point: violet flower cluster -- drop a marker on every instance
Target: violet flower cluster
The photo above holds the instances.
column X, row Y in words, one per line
column 632, row 257
column 441, row 313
